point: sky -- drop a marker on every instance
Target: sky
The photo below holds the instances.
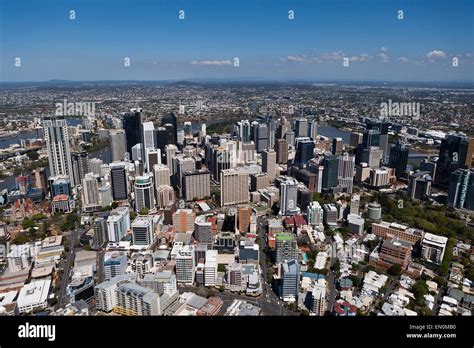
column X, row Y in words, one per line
column 269, row 46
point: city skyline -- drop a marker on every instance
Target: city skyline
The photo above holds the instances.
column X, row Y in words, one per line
column 269, row 46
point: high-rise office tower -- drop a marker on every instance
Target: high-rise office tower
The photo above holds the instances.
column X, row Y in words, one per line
column 355, row 139
column 153, row 157
column 90, row 192
column 173, row 120
column 188, row 129
column 136, row 153
column 144, row 192
column 203, row 231
column 262, row 134
column 370, row 138
column 164, row 196
column 132, row 124
column 244, row 215
column 455, row 152
column 57, row 145
column 271, row 132
column 148, row 139
column 337, row 146
column 118, row 223
column 290, row 282
column 221, row 159
column 161, row 173
column 119, row 181
column 161, row 141
column 196, row 184
column 234, row 185
column 345, row 176
column 281, row 149
column 290, row 137
column 301, row 127
column 269, row 163
column 458, row 187
column 171, row 150
column 118, row 144
column 185, row 265
column 315, row 214
column 143, row 230
column 304, row 152
column 286, row 247
column 115, row 264
column 382, row 128
column 183, row 220
column 398, row 158
column 182, row 164
column 419, row 185
column 99, row 226
column 330, row 172
column 372, row 156
column 80, row 166
column 289, row 197
column 95, row 166
column 313, row 130
column 427, row 165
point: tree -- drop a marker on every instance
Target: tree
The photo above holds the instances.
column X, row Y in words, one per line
column 143, row 211
column 133, row 215
column 395, row 270
column 420, row 289
column 27, row 223
column 33, row 155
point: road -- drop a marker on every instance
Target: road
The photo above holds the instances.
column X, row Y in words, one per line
column 100, row 266
column 269, row 305
column 66, row 266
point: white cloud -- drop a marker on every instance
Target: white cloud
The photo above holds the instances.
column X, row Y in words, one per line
column 332, row 56
column 211, row 62
column 383, row 57
column 360, row 58
column 403, row 59
column 435, row 55
column 384, row 49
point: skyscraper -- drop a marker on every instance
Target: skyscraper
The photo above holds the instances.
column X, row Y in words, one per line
column 304, row 152
column 148, row 139
column 144, row 192
column 185, row 265
column 460, row 185
column 281, row 148
column 80, row 166
column 269, row 163
column 313, row 130
column 234, row 187
column 196, row 184
column 290, row 282
column 330, row 172
column 57, row 144
column 132, row 124
column 143, row 230
column 288, row 197
column 399, row 158
column 244, row 130
column 301, row 127
column 455, row 152
column 173, row 120
column 118, row 178
column 337, row 146
column 315, row 214
column 90, row 192
column 118, row 144
column 345, row 176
